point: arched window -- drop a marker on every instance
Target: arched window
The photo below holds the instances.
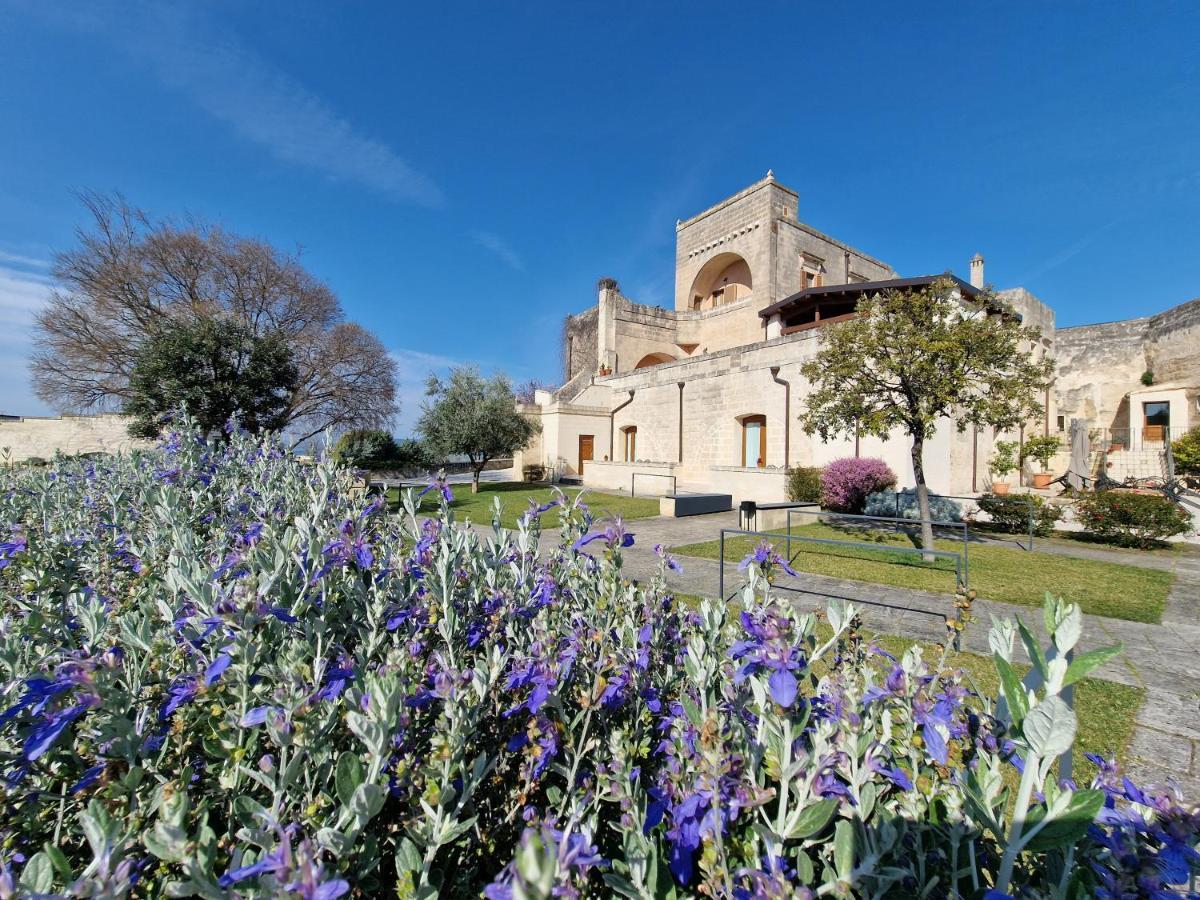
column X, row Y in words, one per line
column 629, row 433
column 722, row 280
column 754, row 441
column 653, row 359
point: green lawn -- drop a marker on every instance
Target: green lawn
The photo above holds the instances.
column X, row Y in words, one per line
column 514, row 500
column 1003, row 574
column 1106, row 709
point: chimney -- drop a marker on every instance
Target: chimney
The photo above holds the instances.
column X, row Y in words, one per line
column 977, row 271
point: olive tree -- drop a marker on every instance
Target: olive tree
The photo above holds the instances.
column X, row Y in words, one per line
column 911, row 359
column 477, row 417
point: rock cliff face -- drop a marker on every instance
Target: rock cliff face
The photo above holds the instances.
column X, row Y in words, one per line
column 1099, row 364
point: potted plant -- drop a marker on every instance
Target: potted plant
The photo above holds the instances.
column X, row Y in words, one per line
column 1004, row 460
column 1042, row 449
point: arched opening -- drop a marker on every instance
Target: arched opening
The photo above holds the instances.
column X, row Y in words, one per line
column 629, row 437
column 754, row 441
column 653, row 359
column 722, row 280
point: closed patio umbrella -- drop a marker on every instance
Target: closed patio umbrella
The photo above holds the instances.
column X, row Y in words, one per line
column 1079, row 454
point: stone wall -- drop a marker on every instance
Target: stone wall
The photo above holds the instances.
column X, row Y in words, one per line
column 1098, row 365
column 26, row 437
column 1173, row 344
column 580, row 344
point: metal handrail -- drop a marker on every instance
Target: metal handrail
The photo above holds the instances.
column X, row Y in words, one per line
column 633, row 481
column 863, row 545
column 1029, row 505
column 966, row 538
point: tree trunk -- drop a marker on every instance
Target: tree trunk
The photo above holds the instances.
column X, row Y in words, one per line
column 475, row 479
column 918, row 464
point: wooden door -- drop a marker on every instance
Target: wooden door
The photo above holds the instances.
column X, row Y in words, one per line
column 1156, row 419
column 587, row 444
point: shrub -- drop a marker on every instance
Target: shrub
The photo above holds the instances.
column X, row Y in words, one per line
column 1042, row 447
column 223, row 675
column 367, row 448
column 846, row 483
column 903, row 505
column 1004, row 459
column 413, row 457
column 1010, row 513
column 1132, row 520
column 1186, row 451
column 804, row 484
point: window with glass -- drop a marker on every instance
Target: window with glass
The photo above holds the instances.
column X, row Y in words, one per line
column 754, row 441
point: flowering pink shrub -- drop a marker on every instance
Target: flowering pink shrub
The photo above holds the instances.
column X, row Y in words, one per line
column 846, row 483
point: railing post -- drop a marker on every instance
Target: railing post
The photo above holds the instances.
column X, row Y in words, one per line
column 1068, row 694
column 966, row 556
column 1030, row 504
column 721, row 569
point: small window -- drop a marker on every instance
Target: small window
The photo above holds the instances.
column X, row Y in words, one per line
column 1062, row 422
column 754, row 441
column 630, row 434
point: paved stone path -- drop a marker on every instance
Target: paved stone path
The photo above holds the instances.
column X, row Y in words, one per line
column 1162, row 659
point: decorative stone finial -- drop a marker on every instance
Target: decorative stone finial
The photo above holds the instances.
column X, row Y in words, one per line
column 770, row 174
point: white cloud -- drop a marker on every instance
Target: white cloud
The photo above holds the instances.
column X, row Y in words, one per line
column 259, row 102
column 500, row 248
column 22, row 294
column 18, row 259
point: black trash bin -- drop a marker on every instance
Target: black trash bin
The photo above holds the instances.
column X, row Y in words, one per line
column 748, row 515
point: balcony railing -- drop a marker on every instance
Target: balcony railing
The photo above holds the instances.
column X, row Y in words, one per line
column 1148, row 437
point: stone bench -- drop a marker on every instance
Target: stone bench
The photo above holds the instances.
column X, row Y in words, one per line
column 774, row 516
column 678, row 505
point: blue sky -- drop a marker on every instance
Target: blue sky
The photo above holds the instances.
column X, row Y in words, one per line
column 461, row 174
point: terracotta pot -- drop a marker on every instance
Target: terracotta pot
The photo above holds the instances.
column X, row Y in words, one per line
column 1041, row 479
column 999, row 488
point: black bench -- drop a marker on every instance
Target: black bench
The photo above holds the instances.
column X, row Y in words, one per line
column 699, row 504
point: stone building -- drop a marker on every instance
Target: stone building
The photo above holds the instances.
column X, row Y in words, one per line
column 708, row 393
column 705, row 396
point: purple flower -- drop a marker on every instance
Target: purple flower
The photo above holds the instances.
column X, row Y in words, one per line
column 613, row 534
column 337, row 677
column 765, row 557
column 216, row 668
column 439, row 484
column 43, row 737
column 10, row 548
column 669, row 561
column 90, row 777
column 258, row 715
column 181, row 692
column 767, row 647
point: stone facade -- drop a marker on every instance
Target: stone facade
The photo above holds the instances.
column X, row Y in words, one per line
column 709, row 392
column 24, row 437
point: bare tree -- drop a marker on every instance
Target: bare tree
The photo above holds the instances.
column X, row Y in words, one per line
column 130, row 278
